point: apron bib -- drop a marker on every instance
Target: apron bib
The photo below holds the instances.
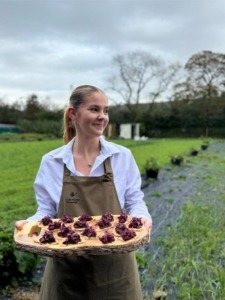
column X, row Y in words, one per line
column 91, row 277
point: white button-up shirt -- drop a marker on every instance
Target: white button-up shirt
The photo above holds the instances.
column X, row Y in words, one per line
column 127, row 179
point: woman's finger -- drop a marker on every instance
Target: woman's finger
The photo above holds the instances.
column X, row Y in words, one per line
column 148, row 224
column 19, row 224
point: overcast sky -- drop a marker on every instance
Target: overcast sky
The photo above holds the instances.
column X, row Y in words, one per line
column 48, row 46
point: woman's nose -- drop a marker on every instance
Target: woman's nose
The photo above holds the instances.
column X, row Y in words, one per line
column 101, row 114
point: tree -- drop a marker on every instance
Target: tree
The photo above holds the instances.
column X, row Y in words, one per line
column 9, row 114
column 183, row 91
column 142, row 78
column 32, row 108
column 206, row 73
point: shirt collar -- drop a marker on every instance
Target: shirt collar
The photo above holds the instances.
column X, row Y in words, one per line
column 107, row 149
column 64, row 152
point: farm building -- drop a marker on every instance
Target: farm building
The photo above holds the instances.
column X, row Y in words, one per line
column 9, row 128
column 124, row 131
column 130, row 131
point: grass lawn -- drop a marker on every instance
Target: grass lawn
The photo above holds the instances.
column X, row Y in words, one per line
column 161, row 149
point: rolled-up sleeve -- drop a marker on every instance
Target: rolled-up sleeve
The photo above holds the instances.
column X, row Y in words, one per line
column 134, row 203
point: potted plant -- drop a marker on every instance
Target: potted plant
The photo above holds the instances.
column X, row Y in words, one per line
column 205, row 145
column 194, row 152
column 151, row 168
column 177, row 160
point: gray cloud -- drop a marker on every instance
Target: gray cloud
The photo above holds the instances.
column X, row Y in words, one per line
column 48, row 46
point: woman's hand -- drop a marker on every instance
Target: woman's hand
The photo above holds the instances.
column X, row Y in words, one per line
column 19, row 224
column 148, row 224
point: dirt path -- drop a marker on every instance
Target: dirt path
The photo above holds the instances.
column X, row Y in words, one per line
column 165, row 198
column 175, row 186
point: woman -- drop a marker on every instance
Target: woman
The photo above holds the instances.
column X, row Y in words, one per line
column 89, row 174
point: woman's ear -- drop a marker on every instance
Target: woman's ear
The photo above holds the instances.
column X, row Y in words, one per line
column 71, row 113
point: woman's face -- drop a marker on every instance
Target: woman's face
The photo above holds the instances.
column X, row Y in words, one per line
column 91, row 117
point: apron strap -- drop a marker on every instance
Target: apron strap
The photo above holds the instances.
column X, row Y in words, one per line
column 107, row 167
column 66, row 171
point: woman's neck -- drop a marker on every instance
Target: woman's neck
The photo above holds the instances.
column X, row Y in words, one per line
column 86, row 147
column 85, row 153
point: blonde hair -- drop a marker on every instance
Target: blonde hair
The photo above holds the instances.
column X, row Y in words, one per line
column 76, row 99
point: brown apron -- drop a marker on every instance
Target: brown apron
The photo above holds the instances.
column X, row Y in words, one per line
column 91, row 277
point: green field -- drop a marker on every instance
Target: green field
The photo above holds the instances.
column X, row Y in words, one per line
column 19, row 163
column 161, row 149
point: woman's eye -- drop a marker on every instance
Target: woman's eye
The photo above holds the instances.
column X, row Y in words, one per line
column 97, row 110
column 94, row 109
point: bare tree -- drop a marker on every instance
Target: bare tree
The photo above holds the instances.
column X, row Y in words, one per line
column 206, row 72
column 186, row 90
column 141, row 77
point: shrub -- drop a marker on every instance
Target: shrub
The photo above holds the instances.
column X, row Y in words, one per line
column 14, row 265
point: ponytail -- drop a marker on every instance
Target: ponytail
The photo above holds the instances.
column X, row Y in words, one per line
column 69, row 130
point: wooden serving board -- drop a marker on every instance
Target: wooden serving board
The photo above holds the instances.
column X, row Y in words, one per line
column 28, row 239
